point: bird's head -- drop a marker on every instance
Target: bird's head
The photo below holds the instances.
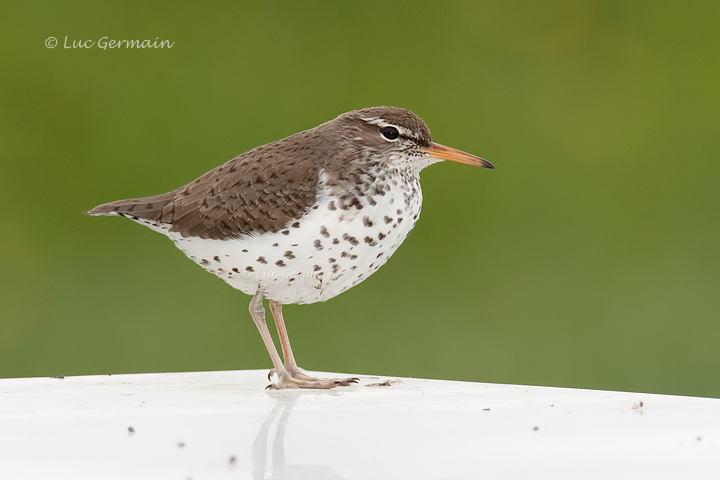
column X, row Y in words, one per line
column 396, row 136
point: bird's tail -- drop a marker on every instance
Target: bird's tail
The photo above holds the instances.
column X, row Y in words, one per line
column 148, row 208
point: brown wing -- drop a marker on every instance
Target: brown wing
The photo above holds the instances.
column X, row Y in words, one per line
column 259, row 191
column 254, row 193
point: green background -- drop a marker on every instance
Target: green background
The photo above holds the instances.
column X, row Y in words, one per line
column 588, row 258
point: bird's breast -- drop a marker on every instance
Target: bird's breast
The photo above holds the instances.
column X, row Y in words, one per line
column 337, row 243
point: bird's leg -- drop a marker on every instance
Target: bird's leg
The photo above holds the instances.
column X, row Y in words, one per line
column 257, row 311
column 297, row 378
column 290, row 364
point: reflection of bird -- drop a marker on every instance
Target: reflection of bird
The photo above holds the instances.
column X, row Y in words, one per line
column 280, row 416
column 302, row 219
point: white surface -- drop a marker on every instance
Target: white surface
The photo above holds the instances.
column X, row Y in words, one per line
column 226, row 425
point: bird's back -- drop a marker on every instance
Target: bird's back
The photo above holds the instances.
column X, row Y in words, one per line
column 256, row 192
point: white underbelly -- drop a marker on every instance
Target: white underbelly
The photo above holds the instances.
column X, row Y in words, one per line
column 327, row 252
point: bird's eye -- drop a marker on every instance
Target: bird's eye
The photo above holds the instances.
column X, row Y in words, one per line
column 390, row 133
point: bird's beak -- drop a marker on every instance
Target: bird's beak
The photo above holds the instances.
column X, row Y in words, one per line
column 435, row 150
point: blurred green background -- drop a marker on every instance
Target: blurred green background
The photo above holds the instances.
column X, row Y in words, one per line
column 589, row 257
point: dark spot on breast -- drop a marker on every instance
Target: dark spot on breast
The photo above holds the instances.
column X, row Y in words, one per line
column 285, row 232
column 387, row 219
column 216, row 258
column 235, row 270
column 367, row 222
column 332, row 260
column 335, row 241
column 331, row 206
column 335, row 268
column 249, row 269
column 370, row 241
column 289, row 255
column 204, row 262
column 400, row 219
column 398, row 211
column 380, row 254
column 318, row 245
column 261, row 260
column 316, row 268
column 296, row 225
column 276, row 244
column 381, row 236
column 244, row 250
column 324, row 232
column 352, row 240
column 280, row 263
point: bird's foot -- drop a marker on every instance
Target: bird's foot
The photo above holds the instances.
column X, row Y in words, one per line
column 299, row 379
column 318, row 383
column 293, row 372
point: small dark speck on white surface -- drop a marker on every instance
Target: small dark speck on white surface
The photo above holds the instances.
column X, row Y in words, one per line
column 386, row 383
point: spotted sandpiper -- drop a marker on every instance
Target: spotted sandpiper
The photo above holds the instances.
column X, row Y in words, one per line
column 302, row 219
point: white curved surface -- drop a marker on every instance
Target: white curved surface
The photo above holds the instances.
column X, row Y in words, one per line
column 226, row 425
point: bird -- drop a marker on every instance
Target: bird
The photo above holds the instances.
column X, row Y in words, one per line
column 302, row 219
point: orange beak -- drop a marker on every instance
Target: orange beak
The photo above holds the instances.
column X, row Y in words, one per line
column 435, row 150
